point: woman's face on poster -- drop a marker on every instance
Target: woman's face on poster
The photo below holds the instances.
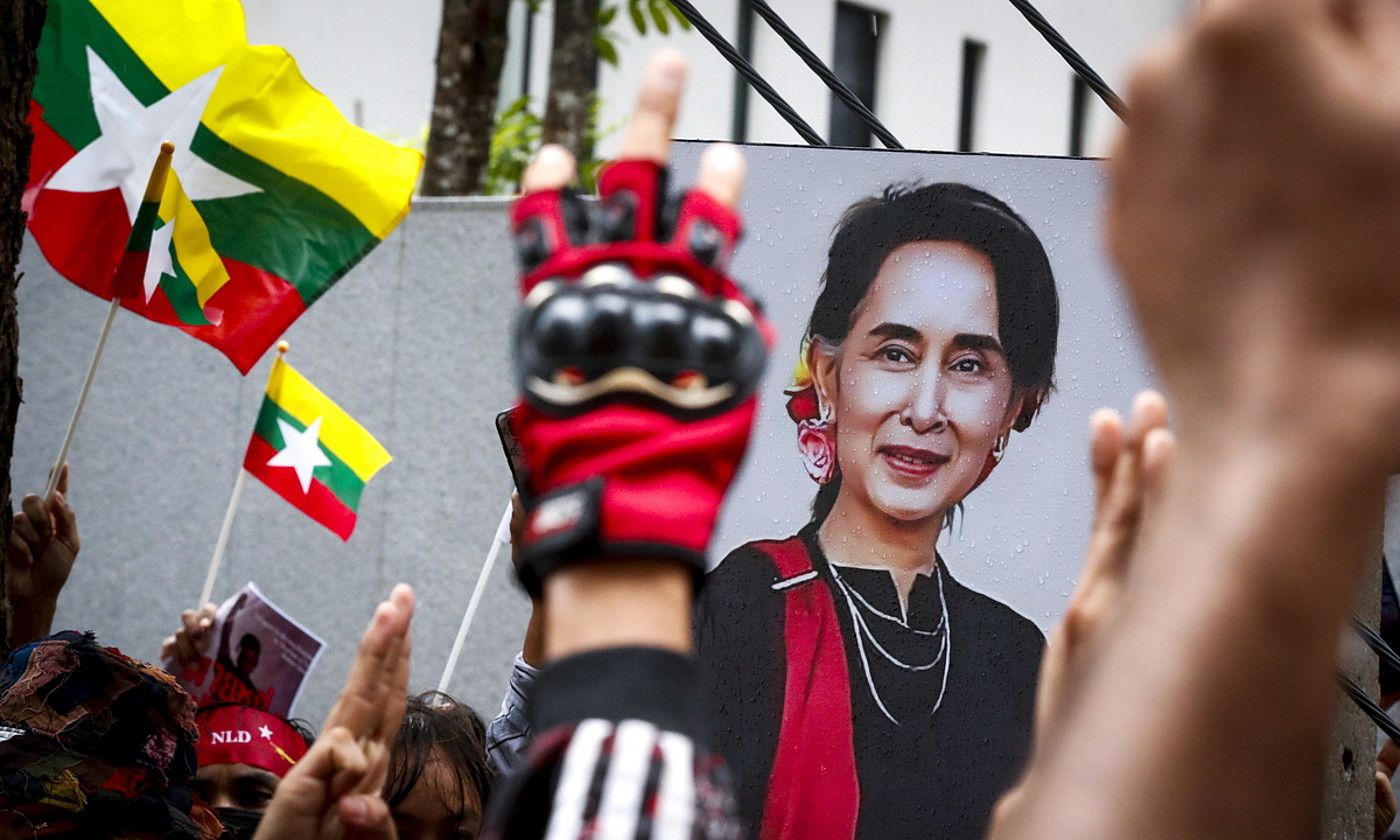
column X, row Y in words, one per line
column 920, row 389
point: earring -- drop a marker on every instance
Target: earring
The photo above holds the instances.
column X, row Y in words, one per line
column 993, row 458
column 816, row 441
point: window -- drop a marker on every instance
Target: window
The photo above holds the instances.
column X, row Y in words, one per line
column 973, row 54
column 1078, row 117
column 856, row 54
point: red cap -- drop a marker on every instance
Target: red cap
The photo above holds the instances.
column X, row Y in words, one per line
column 245, row 735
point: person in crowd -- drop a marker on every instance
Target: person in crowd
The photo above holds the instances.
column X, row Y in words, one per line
column 508, row 733
column 243, row 753
column 94, row 744
column 43, row 546
column 439, row 775
column 1253, row 207
column 900, row 696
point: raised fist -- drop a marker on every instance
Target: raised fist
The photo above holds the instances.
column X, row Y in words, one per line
column 636, row 355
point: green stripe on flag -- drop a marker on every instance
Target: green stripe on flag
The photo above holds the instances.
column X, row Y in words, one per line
column 62, row 84
column 139, row 242
column 290, row 228
column 338, row 478
column 179, row 290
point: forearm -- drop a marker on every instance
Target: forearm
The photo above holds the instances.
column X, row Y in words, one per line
column 30, row 621
column 618, row 604
column 1245, row 578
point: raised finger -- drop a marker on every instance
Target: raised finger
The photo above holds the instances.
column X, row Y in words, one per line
column 357, row 707
column 64, row 520
column 1106, row 441
column 366, row 817
column 721, row 173
column 19, row 549
column 62, row 485
column 396, row 698
column 1149, row 412
column 648, row 135
column 23, row 525
column 1158, row 453
column 185, row 652
column 552, row 168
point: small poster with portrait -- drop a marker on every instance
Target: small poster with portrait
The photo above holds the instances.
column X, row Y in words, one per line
column 260, row 656
column 915, row 505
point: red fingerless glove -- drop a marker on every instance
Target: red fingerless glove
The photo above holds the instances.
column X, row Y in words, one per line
column 637, row 359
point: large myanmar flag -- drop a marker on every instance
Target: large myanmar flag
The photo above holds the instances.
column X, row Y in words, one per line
column 310, row 452
column 272, row 186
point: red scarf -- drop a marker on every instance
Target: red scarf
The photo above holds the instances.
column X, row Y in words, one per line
column 813, row 792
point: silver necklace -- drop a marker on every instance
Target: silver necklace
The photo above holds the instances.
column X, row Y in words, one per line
column 943, row 652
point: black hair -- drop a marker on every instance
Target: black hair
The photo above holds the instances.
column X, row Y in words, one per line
column 432, row 722
column 250, row 642
column 1028, row 305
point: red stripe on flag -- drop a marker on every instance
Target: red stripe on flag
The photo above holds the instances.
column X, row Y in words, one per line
column 319, row 502
column 253, row 308
column 47, row 156
column 83, row 236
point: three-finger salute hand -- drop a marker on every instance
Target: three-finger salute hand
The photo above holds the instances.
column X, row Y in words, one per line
column 334, row 791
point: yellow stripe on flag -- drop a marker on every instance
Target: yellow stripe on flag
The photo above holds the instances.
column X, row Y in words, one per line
column 193, row 247
column 179, row 40
column 350, row 441
column 264, row 107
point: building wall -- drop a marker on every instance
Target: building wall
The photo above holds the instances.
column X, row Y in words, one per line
column 380, row 65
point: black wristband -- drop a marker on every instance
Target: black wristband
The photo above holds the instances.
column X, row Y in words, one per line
column 659, row 686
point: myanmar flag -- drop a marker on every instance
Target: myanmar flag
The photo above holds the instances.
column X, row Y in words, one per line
column 310, row 452
column 273, row 195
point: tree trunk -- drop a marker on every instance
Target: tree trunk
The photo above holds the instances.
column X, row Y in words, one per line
column 471, row 51
column 573, row 76
column 20, row 24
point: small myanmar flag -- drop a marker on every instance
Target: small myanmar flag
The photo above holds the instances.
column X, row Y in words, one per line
column 310, row 452
column 184, row 264
column 273, row 194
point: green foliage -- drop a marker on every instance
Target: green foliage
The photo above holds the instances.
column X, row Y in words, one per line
column 518, row 129
column 517, row 137
column 513, row 141
column 646, row 16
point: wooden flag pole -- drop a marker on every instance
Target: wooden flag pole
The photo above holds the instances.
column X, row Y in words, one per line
column 227, row 528
column 155, row 188
column 502, row 537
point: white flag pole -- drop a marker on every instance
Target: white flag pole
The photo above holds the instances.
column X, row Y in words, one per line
column 82, row 398
column 227, row 528
column 502, row 537
column 155, row 188
column 222, row 543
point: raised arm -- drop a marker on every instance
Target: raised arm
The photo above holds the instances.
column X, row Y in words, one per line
column 1254, row 211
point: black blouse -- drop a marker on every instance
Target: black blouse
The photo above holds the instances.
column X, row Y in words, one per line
column 942, row 710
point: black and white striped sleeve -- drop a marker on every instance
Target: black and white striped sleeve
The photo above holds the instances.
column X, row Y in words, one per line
column 619, row 756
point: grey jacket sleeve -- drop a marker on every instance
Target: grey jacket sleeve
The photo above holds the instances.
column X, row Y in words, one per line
column 509, row 732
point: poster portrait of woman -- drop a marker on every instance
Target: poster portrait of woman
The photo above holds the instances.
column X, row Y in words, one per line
column 858, row 688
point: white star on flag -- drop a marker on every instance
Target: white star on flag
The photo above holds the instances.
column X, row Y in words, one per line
column 158, row 260
column 265, row 732
column 300, row 451
column 131, row 136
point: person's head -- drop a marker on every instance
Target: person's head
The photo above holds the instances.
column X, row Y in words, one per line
column 932, row 339
column 249, row 650
column 439, row 774
column 243, row 753
column 95, row 744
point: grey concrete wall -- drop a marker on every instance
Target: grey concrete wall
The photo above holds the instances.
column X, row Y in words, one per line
column 412, row 343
